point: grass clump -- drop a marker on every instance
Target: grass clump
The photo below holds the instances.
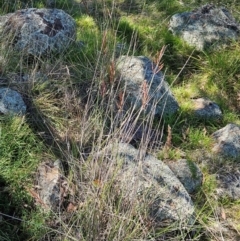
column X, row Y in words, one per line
column 21, row 152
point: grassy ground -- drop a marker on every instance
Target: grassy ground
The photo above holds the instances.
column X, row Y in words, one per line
column 70, row 117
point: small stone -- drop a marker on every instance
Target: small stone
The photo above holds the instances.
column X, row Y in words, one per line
column 206, row 109
column 49, row 185
column 11, row 102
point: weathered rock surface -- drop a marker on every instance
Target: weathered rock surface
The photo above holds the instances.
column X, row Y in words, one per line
column 206, row 109
column 49, row 185
column 227, row 141
column 188, row 173
column 205, row 27
column 150, row 182
column 229, row 185
column 38, row 31
column 144, row 86
column 11, row 102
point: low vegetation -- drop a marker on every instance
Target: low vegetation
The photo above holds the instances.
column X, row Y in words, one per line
column 70, row 117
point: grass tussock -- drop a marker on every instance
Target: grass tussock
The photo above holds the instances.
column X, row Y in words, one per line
column 75, row 108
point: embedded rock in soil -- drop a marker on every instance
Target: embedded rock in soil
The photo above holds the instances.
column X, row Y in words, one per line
column 206, row 109
column 144, row 86
column 227, row 141
column 11, row 102
column 38, row 31
column 188, row 173
column 49, row 182
column 207, row 26
column 146, row 181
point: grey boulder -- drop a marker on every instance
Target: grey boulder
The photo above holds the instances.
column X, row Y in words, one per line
column 11, row 102
column 227, row 141
column 144, row 86
column 149, row 182
column 38, row 31
column 207, row 26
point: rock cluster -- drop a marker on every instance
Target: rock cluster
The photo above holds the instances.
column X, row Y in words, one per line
column 164, row 188
column 35, row 32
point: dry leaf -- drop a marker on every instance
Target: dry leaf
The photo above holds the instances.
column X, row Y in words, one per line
column 71, row 208
column 223, row 214
column 111, row 72
column 36, row 197
column 168, row 143
column 103, row 89
column 97, row 183
column 121, row 100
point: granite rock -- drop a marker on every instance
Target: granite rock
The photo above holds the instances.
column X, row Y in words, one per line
column 147, row 181
column 188, row 173
column 206, row 109
column 229, row 185
column 207, row 26
column 49, row 188
column 227, row 141
column 144, row 86
column 37, row 31
column 11, row 102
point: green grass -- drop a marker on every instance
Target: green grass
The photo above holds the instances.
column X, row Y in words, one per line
column 71, row 116
column 20, row 153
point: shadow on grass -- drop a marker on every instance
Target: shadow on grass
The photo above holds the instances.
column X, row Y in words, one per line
column 11, row 211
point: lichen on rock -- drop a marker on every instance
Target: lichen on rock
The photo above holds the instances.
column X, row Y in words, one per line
column 38, row 31
column 144, row 86
column 227, row 141
column 207, row 26
column 11, row 102
column 145, row 180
